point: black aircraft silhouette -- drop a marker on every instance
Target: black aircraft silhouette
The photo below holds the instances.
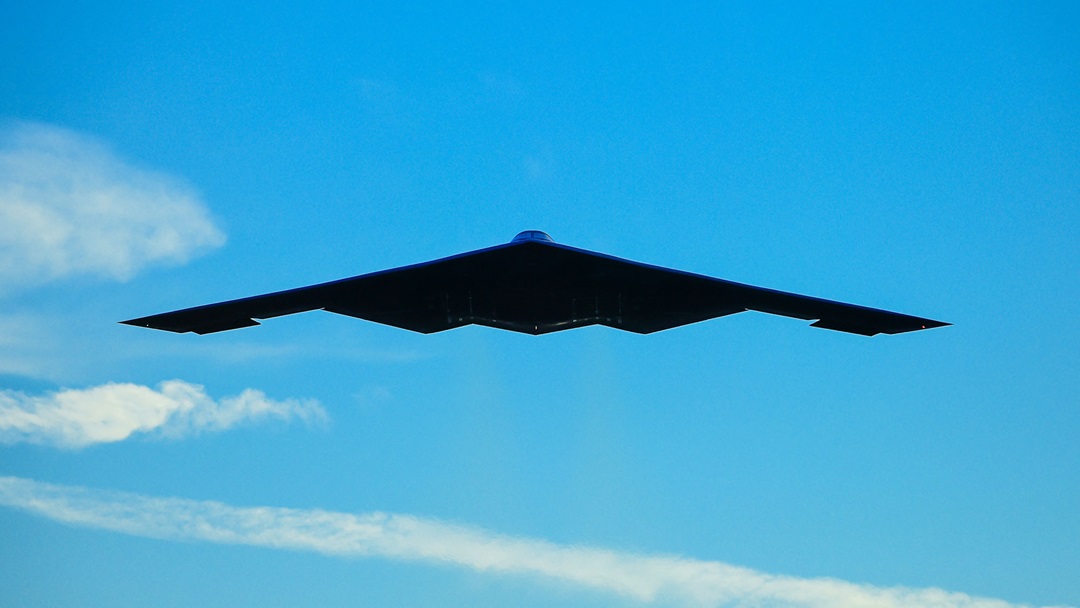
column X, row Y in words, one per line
column 534, row 285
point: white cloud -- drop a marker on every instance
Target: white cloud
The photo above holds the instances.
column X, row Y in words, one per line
column 113, row 412
column 69, row 206
column 644, row 578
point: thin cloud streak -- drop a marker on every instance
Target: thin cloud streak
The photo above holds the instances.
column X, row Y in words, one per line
column 405, row 537
column 27, row 347
column 69, row 206
column 75, row 418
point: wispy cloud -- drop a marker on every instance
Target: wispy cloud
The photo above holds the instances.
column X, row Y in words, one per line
column 26, row 344
column 113, row 412
column 405, row 537
column 69, row 206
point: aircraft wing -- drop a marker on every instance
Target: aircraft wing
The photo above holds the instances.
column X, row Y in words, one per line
column 534, row 286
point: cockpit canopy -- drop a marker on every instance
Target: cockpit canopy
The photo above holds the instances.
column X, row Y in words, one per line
column 532, row 235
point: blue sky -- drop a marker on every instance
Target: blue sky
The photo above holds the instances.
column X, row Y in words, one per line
column 914, row 157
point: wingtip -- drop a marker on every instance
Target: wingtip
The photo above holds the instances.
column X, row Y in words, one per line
column 179, row 324
column 147, row 322
column 923, row 324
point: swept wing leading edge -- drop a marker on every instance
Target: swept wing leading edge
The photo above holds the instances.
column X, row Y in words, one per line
column 535, row 286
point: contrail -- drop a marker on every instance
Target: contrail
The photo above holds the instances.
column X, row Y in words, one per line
column 644, row 578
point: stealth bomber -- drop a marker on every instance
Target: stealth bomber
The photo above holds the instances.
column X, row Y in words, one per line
column 535, row 286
